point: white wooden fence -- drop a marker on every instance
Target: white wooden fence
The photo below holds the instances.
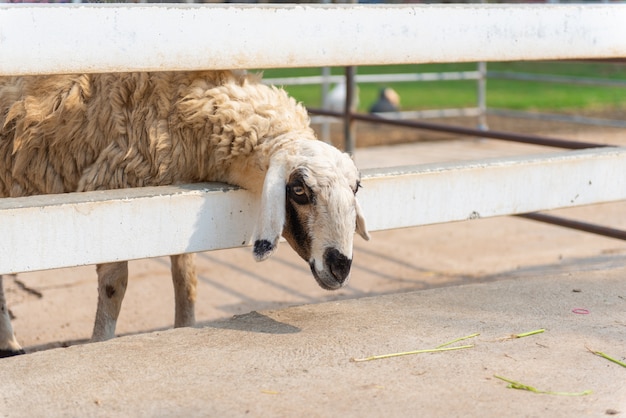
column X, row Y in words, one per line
column 76, row 229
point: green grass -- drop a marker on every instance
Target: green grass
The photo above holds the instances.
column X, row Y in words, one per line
column 512, row 94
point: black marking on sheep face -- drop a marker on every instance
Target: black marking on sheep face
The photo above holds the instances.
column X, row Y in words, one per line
column 298, row 206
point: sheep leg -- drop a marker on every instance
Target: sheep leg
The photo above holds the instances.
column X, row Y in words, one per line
column 112, row 281
column 185, row 282
column 8, row 344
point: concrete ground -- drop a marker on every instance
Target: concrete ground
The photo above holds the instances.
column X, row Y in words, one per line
column 287, row 350
column 298, row 361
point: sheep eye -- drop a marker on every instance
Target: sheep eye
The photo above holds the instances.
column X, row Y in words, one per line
column 358, row 186
column 298, row 194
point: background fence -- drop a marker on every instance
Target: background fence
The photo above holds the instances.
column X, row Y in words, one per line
column 480, row 110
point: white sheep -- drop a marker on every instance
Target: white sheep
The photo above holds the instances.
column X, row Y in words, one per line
column 87, row 132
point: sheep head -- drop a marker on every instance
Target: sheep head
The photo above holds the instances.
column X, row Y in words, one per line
column 309, row 196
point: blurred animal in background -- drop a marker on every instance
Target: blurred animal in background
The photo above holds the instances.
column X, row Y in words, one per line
column 336, row 98
column 388, row 101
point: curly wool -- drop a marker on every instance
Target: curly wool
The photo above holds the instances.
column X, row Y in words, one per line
column 105, row 131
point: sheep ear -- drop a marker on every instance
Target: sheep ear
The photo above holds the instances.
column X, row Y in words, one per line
column 361, row 228
column 271, row 217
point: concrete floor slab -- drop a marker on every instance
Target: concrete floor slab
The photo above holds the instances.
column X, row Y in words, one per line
column 297, row 361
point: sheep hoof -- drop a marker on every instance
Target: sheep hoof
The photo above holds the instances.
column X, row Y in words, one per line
column 263, row 249
column 10, row 353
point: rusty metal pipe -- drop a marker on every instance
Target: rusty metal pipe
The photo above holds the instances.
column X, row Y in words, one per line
column 349, row 110
column 578, row 225
column 505, row 136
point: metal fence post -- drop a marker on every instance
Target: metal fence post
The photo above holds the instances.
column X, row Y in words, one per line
column 482, row 96
column 325, row 127
column 349, row 128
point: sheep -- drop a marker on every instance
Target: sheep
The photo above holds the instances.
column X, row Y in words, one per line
column 85, row 132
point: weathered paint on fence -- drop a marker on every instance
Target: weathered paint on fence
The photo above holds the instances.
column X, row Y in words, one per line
column 39, row 39
column 429, row 194
column 42, row 232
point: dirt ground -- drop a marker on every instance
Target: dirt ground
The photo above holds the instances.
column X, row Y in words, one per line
column 56, row 308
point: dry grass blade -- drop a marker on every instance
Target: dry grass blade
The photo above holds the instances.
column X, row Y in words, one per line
column 439, row 348
column 606, row 356
column 407, row 353
column 517, row 385
column 457, row 340
column 522, row 335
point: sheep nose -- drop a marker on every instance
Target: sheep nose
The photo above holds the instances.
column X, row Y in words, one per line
column 338, row 264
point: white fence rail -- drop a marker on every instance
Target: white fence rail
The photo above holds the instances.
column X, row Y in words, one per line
column 75, row 229
column 86, row 228
column 40, row 39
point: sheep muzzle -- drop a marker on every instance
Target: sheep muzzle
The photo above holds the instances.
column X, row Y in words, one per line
column 336, row 270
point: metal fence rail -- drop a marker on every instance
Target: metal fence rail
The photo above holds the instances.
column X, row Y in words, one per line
column 583, row 120
column 553, row 78
column 376, row 78
column 460, row 130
